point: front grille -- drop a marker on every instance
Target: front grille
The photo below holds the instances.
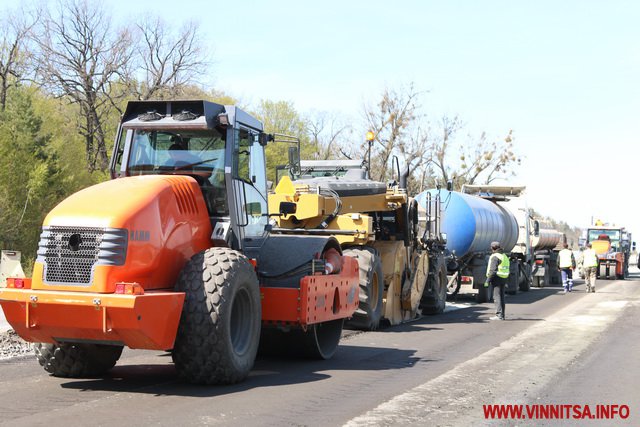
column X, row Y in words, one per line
column 70, row 253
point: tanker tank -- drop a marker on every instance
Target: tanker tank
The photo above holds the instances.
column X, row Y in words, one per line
column 546, row 239
column 471, row 223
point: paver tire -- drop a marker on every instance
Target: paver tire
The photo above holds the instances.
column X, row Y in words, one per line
column 367, row 316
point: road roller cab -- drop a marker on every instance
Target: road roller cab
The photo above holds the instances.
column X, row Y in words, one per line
column 174, row 253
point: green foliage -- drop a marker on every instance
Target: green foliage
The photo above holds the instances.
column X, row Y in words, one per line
column 31, row 182
column 281, row 117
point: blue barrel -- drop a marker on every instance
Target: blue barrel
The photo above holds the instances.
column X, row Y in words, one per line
column 471, row 223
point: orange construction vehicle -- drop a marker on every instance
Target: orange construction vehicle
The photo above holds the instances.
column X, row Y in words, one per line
column 612, row 244
column 175, row 253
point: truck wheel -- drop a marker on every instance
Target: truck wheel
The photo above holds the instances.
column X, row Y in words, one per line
column 436, row 302
column 524, row 285
column 219, row 329
column 77, row 360
column 483, row 294
column 367, row 316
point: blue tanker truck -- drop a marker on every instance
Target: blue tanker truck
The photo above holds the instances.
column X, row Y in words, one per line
column 471, row 222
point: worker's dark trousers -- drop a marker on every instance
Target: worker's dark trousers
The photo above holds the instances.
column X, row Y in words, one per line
column 498, row 284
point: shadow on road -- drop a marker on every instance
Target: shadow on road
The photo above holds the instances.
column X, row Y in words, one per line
column 161, row 379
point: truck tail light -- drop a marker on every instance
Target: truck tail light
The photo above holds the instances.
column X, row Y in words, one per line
column 126, row 288
column 18, row 283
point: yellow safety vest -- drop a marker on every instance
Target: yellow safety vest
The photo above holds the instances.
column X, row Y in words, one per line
column 564, row 259
column 589, row 258
column 503, row 267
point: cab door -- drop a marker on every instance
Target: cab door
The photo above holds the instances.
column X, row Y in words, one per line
column 249, row 183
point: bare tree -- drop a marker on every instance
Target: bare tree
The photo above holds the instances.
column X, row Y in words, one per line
column 15, row 58
column 169, row 61
column 327, row 133
column 441, row 148
column 81, row 57
column 433, row 152
column 471, row 161
column 395, row 124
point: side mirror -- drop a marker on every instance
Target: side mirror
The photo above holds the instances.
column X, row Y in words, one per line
column 450, row 185
column 287, row 208
column 265, row 138
column 294, row 160
column 536, row 228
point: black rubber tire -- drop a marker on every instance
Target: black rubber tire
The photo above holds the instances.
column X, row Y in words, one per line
column 219, row 329
column 523, row 282
column 71, row 360
column 483, row 295
column 367, row 316
column 436, row 302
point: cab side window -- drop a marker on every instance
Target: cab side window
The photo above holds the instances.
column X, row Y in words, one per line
column 250, row 168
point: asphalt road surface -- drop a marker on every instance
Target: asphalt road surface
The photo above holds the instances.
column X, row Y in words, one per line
column 553, row 350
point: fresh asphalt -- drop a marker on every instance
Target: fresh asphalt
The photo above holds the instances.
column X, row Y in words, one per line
column 438, row 370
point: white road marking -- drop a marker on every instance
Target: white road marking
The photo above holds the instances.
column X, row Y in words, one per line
column 453, row 306
column 529, row 361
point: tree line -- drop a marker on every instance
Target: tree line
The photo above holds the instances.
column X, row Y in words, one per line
column 67, row 70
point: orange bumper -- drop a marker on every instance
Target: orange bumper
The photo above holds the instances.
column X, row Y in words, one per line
column 318, row 299
column 616, row 261
column 148, row 321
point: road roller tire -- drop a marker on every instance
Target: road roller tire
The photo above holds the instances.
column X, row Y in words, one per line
column 219, row 329
column 75, row 360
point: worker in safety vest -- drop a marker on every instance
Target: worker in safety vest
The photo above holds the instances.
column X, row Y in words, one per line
column 566, row 264
column 497, row 275
column 590, row 265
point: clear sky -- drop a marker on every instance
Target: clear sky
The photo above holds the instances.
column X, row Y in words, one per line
column 564, row 75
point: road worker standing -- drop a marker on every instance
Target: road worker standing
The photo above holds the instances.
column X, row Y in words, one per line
column 590, row 265
column 497, row 275
column 566, row 264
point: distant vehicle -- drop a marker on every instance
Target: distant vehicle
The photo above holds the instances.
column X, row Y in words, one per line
column 613, row 246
